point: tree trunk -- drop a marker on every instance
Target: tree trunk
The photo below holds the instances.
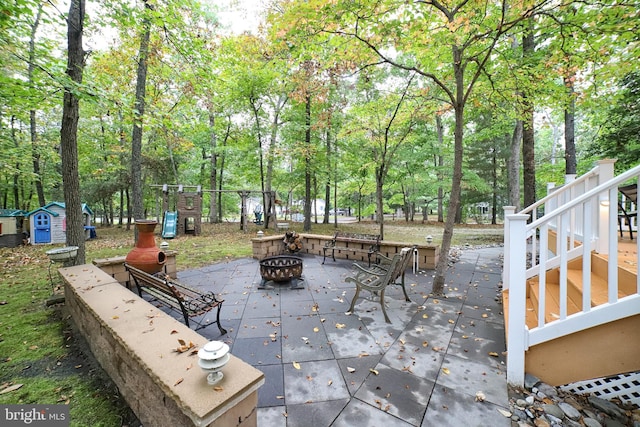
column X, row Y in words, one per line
column 35, row 154
column 16, row 174
column 494, row 178
column 440, row 132
column 327, row 185
column 379, row 201
column 571, row 163
column 528, row 140
column 136, row 139
column 456, row 183
column 213, row 175
column 69, row 129
column 513, row 167
column 307, row 168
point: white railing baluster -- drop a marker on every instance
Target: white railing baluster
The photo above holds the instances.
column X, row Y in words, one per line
column 586, row 259
column 542, row 277
column 562, row 298
column 613, row 245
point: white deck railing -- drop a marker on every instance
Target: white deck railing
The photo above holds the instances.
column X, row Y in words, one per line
column 583, row 217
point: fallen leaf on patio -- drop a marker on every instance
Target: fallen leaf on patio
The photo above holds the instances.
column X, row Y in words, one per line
column 115, row 317
column 480, row 397
column 10, row 388
column 425, row 316
column 305, row 339
column 351, row 370
column 402, row 341
column 386, row 408
column 309, row 378
column 425, row 343
column 329, row 382
column 190, row 366
column 316, row 329
column 348, row 313
column 446, row 371
column 340, row 325
column 322, row 319
column 279, row 397
column 435, row 301
column 452, row 321
column 464, row 337
column 493, row 353
column 363, row 354
column 218, row 388
column 505, row 413
column 179, row 381
column 373, row 371
column 485, row 315
column 315, row 307
column 296, row 365
column 436, row 348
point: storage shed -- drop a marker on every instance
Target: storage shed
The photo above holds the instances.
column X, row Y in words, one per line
column 11, row 227
column 48, row 224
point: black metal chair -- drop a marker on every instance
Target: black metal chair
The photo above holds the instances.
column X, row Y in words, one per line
column 625, row 206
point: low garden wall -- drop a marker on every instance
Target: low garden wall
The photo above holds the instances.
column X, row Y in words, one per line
column 135, row 343
column 427, row 255
column 114, row 267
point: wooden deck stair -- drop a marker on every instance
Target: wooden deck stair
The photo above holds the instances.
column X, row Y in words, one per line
column 592, row 353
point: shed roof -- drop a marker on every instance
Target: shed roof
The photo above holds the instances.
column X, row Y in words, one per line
column 12, row 212
column 61, row 205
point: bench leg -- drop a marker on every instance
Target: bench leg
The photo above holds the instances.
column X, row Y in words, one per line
column 406, row 297
column 384, row 310
column 355, row 297
column 223, row 331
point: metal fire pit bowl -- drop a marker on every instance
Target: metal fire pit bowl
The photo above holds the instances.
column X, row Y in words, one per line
column 282, row 268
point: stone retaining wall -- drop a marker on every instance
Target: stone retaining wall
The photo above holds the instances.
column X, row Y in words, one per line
column 427, row 256
column 136, row 344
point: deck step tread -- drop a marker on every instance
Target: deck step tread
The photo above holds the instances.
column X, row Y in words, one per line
column 552, row 303
column 599, row 287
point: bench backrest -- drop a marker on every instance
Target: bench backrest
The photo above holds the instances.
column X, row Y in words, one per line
column 144, row 279
column 397, row 269
column 357, row 236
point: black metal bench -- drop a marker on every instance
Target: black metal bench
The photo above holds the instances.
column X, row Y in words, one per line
column 383, row 274
column 352, row 242
column 176, row 296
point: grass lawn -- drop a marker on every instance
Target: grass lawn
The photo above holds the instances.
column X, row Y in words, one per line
column 42, row 361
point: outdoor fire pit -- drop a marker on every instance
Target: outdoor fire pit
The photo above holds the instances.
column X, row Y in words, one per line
column 282, row 268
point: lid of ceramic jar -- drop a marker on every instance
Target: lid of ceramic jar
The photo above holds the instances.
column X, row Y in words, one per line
column 213, row 350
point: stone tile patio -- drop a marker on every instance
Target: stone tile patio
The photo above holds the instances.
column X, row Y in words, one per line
column 324, row 367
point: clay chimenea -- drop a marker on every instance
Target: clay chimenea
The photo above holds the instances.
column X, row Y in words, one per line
column 146, row 256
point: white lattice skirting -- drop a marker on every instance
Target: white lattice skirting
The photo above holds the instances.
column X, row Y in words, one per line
column 626, row 387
